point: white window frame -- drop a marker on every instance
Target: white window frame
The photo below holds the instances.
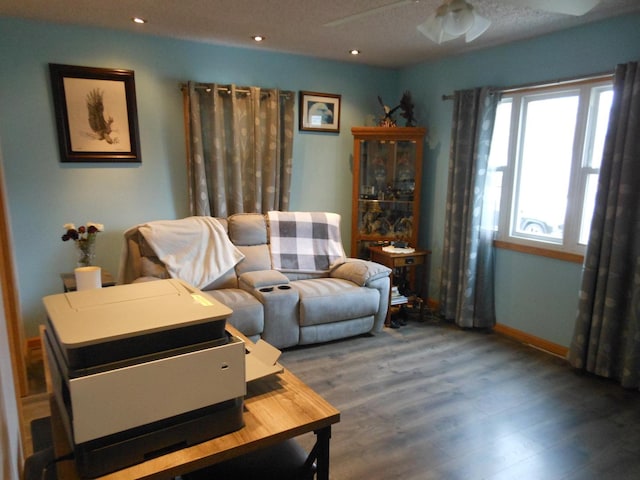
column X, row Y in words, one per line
column 580, row 170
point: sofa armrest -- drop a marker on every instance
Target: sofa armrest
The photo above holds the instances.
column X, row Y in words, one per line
column 360, row 272
column 153, row 267
column 261, row 278
column 371, row 275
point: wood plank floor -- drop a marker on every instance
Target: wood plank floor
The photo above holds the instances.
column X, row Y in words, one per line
column 430, row 401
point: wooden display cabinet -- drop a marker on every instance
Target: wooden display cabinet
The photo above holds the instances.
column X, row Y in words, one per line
column 387, row 172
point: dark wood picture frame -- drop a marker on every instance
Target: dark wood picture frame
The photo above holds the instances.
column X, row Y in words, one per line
column 96, row 114
column 319, row 112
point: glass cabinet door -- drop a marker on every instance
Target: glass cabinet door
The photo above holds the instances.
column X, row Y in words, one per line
column 386, row 190
column 387, row 186
column 387, row 170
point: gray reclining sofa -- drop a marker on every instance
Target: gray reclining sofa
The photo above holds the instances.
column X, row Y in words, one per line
column 285, row 308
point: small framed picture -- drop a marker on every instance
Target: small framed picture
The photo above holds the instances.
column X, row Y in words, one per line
column 319, row 112
column 96, row 114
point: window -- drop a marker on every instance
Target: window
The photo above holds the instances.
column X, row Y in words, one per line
column 545, row 159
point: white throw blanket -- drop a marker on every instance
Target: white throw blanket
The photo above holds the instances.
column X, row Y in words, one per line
column 194, row 249
column 305, row 241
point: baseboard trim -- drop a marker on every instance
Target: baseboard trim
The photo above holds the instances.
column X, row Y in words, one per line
column 34, row 346
column 537, row 342
column 34, row 350
column 433, row 305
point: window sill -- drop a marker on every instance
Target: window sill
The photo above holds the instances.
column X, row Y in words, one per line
column 542, row 252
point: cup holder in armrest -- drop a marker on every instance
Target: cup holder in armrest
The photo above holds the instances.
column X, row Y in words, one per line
column 271, row 289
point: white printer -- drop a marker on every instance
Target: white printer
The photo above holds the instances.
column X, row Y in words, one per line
column 141, row 370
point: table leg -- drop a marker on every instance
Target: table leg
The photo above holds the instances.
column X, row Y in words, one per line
column 322, row 442
column 387, row 319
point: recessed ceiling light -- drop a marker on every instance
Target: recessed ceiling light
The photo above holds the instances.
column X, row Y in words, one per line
column 354, row 51
column 138, row 20
column 259, row 38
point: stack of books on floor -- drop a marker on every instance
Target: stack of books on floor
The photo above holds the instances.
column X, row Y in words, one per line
column 397, row 298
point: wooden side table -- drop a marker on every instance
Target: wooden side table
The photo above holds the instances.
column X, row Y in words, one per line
column 69, row 280
column 405, row 261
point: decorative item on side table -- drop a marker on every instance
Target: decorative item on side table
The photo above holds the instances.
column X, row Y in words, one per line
column 85, row 240
column 87, row 276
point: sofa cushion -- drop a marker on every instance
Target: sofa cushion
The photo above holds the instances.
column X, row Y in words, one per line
column 262, row 278
column 360, row 272
column 247, row 229
column 226, row 280
column 256, row 258
column 326, row 300
column 247, row 316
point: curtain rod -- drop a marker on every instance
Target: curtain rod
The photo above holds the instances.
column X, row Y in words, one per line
column 227, row 88
column 535, row 86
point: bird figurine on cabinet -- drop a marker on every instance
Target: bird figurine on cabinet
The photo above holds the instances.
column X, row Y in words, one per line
column 406, row 105
column 387, row 120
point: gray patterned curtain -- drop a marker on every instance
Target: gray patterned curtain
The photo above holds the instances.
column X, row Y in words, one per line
column 606, row 338
column 466, row 284
column 239, row 148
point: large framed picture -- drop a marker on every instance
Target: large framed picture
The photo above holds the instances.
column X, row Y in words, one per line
column 96, row 114
column 319, row 112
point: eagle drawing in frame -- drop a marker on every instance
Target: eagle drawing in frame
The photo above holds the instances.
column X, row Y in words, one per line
column 100, row 126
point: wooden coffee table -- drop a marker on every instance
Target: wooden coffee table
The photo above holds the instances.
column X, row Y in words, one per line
column 276, row 408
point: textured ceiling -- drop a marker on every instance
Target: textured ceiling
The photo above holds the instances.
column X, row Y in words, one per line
column 388, row 38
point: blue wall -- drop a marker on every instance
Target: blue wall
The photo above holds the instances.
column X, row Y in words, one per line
column 43, row 193
column 535, row 295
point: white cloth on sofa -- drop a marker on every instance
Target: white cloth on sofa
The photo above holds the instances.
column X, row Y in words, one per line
column 194, row 249
column 305, row 241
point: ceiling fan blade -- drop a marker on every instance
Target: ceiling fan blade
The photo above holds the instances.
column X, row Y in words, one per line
column 480, row 25
column 432, row 29
column 567, row 7
column 367, row 13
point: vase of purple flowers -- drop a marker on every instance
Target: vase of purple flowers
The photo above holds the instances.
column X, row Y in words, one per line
column 84, row 238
